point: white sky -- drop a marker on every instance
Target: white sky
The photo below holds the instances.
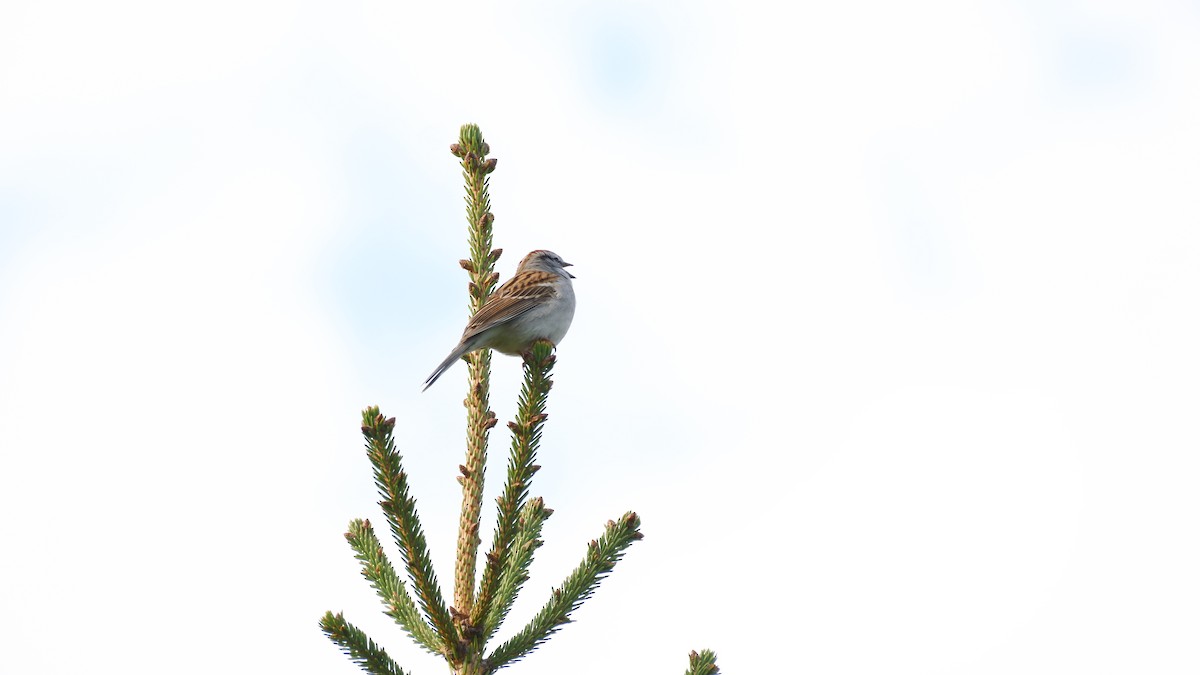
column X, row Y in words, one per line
column 887, row 325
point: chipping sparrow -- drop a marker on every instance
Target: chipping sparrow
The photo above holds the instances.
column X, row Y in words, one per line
column 537, row 303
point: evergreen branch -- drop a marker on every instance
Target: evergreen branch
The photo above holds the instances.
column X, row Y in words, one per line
column 527, row 434
column 379, row 572
column 401, row 512
column 601, row 556
column 704, row 663
column 472, row 150
column 360, row 648
column 516, row 572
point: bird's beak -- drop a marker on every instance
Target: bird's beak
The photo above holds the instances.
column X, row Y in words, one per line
column 567, row 264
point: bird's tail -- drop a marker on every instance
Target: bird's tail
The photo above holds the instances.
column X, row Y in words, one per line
column 437, row 372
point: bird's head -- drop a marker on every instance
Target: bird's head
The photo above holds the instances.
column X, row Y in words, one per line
column 546, row 261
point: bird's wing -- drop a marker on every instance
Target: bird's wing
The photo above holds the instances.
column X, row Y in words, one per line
column 516, row 296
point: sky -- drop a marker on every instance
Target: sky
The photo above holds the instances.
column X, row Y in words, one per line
column 887, row 325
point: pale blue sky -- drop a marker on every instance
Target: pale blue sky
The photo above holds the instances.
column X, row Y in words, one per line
column 887, row 325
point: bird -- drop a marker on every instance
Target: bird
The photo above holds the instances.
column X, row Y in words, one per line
column 537, row 303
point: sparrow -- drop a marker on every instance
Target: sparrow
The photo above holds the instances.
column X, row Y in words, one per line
column 537, row 303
